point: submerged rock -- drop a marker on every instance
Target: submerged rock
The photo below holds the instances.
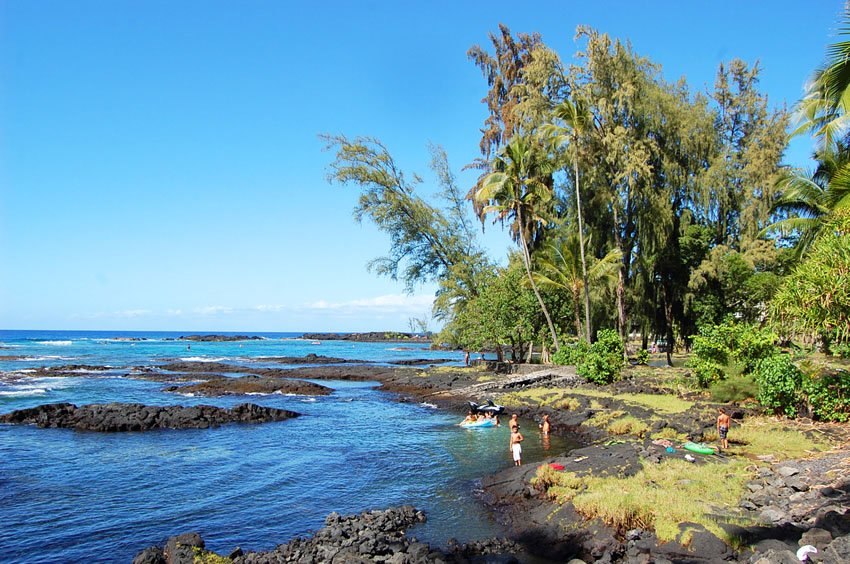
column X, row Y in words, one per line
column 122, row 417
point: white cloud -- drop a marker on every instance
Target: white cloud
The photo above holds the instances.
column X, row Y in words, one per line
column 130, row 313
column 213, row 310
column 391, row 303
column 272, row 308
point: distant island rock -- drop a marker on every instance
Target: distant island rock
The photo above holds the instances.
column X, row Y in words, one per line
column 309, row 359
column 219, row 338
column 123, row 417
column 372, row 337
column 224, row 386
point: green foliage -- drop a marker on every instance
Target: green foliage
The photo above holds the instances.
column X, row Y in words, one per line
column 201, row 556
column 602, row 364
column 642, row 356
column 718, row 349
column 504, row 313
column 429, row 242
column 779, row 382
column 828, row 395
column 815, row 297
column 710, row 354
column 734, row 389
column 841, row 350
column 571, row 355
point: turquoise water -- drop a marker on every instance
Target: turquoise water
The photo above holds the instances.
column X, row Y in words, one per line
column 68, row 496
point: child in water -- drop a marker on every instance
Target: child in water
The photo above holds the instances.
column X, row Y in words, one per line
column 545, row 426
column 515, row 447
column 723, row 422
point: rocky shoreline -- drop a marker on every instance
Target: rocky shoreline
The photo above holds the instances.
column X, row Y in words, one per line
column 370, row 337
column 788, row 503
column 135, row 417
column 372, row 536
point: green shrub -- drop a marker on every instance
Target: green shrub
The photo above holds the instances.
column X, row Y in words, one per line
column 779, row 384
column 734, row 388
column 571, row 355
column 642, row 356
column 841, row 350
column 603, row 362
column 828, row 395
column 751, row 345
column 729, row 344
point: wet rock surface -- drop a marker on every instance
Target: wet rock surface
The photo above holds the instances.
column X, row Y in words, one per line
column 125, row 417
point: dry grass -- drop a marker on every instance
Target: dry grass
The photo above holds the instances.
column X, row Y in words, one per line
column 657, row 498
column 759, row 436
column 628, row 425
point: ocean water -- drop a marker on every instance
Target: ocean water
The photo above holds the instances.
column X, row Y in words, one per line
column 68, row 496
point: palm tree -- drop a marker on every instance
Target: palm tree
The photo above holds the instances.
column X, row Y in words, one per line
column 562, row 268
column 519, row 191
column 809, row 199
column 823, row 110
column 577, row 118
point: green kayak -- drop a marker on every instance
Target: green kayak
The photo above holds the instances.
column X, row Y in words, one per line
column 699, row 448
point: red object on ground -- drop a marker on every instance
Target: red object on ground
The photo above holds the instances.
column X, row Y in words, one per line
column 556, row 466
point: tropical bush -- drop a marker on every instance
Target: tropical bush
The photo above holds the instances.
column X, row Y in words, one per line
column 571, row 355
column 602, row 363
column 779, row 382
column 642, row 357
column 729, row 347
column 841, row 350
column 827, row 395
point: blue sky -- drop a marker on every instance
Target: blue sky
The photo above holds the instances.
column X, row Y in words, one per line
column 159, row 160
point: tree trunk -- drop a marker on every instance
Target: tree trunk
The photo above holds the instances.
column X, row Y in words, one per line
column 577, row 314
column 526, row 256
column 621, row 281
column 583, row 261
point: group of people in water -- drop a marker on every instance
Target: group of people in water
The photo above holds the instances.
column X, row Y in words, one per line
column 516, row 438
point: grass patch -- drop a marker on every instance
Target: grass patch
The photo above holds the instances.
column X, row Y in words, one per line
column 628, row 425
column 662, row 496
column 201, row 556
column 604, row 418
column 569, row 404
column 664, row 404
column 761, row 436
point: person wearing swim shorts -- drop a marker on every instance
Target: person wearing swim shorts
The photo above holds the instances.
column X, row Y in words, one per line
column 723, row 422
column 515, row 447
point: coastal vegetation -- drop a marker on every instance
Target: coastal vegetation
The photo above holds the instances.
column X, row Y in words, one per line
column 647, row 215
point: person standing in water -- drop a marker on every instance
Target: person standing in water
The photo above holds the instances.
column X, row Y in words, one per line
column 545, row 426
column 515, row 447
column 723, row 422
